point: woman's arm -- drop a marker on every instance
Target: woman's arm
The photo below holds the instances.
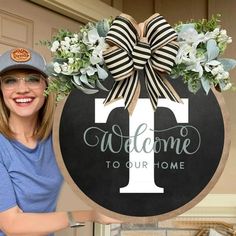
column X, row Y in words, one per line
column 16, row 223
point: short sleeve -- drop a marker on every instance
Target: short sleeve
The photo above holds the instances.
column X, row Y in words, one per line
column 7, row 194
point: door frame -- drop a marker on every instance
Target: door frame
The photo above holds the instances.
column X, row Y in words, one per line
column 79, row 10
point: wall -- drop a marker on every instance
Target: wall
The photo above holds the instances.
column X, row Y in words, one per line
column 172, row 10
column 24, row 24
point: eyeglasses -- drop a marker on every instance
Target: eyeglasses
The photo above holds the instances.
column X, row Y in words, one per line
column 32, row 81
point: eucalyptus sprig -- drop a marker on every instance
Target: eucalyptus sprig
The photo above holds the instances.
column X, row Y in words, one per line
column 204, row 25
column 199, row 62
column 60, row 86
column 77, row 59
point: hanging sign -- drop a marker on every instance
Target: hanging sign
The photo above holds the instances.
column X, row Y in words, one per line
column 150, row 165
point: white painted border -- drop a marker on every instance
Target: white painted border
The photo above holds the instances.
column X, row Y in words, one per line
column 213, row 205
column 218, row 200
column 102, row 230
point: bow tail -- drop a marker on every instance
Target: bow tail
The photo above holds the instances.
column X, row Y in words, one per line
column 158, row 87
column 128, row 88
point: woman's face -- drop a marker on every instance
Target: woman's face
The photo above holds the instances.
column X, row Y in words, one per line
column 23, row 92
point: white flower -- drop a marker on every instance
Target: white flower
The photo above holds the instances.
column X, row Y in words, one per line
column 94, row 59
column 186, row 54
column 93, row 36
column 227, row 86
column 189, row 34
column 99, row 49
column 97, row 56
column 216, row 31
column 223, row 75
column 223, row 37
column 75, row 39
column 223, row 32
column 55, row 46
column 65, row 48
column 212, row 34
column 198, row 53
column 64, row 67
column 74, row 48
column 89, row 70
column 67, row 39
column 65, row 45
column 217, row 70
column 90, row 45
column 196, row 67
column 56, row 67
column 209, row 66
column 76, row 36
column 85, row 40
column 229, row 40
column 71, row 60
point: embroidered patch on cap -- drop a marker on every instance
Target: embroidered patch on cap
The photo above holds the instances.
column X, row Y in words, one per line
column 20, row 55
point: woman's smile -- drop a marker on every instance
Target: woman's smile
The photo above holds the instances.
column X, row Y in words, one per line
column 23, row 101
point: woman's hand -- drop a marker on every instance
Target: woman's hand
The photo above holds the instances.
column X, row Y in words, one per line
column 102, row 219
column 94, row 216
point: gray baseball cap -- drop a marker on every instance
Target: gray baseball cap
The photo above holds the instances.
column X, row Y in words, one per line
column 22, row 58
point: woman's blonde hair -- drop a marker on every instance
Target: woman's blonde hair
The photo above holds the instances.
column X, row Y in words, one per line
column 45, row 118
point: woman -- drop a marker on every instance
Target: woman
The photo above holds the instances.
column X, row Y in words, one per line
column 30, row 180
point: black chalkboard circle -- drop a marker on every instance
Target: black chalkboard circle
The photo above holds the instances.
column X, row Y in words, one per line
column 96, row 153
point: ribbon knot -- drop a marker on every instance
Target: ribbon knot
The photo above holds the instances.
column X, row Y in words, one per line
column 141, row 54
column 150, row 46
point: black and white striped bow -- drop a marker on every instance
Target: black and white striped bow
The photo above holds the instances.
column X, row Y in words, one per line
column 150, row 46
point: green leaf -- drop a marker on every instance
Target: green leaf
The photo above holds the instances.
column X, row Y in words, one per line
column 194, row 85
column 212, row 49
column 100, row 86
column 227, row 63
column 205, row 84
column 85, row 90
column 84, row 79
column 50, row 69
column 103, row 27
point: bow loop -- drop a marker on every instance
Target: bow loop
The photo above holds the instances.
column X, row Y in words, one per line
column 119, row 63
column 124, row 33
column 163, row 58
column 149, row 46
column 158, row 32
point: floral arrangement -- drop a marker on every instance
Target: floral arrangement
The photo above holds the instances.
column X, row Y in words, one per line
column 78, row 60
column 198, row 60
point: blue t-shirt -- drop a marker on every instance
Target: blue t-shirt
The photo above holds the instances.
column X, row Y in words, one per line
column 29, row 177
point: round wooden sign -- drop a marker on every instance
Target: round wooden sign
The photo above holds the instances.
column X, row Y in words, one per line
column 144, row 167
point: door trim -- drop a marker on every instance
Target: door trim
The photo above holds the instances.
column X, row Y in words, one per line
column 80, row 10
